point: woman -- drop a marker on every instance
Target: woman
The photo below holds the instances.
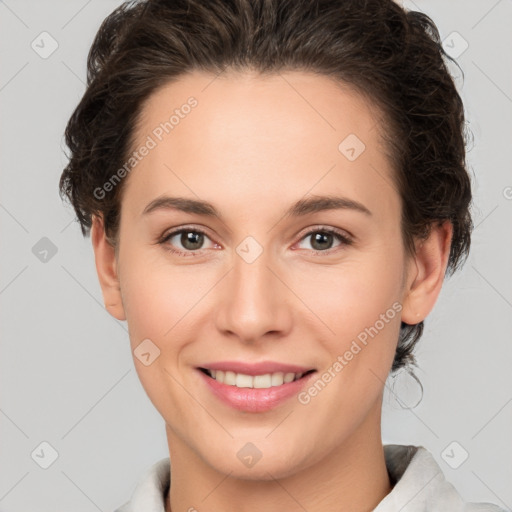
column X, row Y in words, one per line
column 217, row 147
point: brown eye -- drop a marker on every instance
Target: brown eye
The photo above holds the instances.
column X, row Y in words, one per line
column 185, row 241
column 191, row 240
column 322, row 239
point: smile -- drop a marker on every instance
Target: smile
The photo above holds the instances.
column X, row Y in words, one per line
column 241, row 380
column 254, row 388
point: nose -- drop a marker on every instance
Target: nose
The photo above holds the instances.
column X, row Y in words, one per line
column 255, row 304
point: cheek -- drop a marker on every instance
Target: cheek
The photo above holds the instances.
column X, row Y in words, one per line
column 157, row 294
column 352, row 295
column 157, row 299
column 360, row 303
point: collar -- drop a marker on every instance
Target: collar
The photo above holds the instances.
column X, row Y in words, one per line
column 418, row 483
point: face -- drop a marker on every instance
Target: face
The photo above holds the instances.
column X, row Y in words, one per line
column 279, row 281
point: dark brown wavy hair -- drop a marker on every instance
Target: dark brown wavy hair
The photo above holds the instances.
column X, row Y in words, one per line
column 392, row 56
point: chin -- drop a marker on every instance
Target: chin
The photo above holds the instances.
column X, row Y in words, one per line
column 251, row 463
column 261, row 471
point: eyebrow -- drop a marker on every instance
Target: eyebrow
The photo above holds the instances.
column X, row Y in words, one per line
column 300, row 208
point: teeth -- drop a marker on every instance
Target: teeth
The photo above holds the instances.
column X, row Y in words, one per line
column 230, row 378
column 262, row 381
column 288, row 377
column 241, row 380
column 277, row 379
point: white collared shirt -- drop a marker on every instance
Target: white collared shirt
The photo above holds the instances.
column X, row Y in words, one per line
column 418, row 483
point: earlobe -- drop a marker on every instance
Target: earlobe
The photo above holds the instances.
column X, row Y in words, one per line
column 424, row 285
column 106, row 267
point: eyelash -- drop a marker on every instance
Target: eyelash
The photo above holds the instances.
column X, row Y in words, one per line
column 331, row 231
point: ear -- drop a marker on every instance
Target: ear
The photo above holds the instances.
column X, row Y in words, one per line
column 106, row 267
column 426, row 276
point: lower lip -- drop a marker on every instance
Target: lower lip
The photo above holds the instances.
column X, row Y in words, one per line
column 255, row 399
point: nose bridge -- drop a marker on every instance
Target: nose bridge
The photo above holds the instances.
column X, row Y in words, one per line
column 252, row 277
column 254, row 302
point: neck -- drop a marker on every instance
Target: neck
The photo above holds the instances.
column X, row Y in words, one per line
column 351, row 477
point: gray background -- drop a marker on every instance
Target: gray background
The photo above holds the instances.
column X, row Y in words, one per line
column 66, row 373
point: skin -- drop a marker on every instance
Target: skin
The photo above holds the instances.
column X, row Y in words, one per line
column 253, row 146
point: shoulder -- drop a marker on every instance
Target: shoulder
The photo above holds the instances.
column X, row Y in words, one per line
column 150, row 490
column 419, row 484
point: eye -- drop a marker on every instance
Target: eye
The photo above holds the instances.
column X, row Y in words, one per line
column 191, row 239
column 322, row 239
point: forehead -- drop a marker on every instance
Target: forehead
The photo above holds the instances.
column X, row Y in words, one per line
column 259, row 136
column 236, row 103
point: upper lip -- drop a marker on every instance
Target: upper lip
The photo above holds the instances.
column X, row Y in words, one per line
column 261, row 368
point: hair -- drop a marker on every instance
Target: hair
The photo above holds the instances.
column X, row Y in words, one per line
column 391, row 56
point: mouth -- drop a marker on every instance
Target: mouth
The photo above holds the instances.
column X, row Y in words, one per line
column 254, row 393
column 255, row 387
column 265, row 381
